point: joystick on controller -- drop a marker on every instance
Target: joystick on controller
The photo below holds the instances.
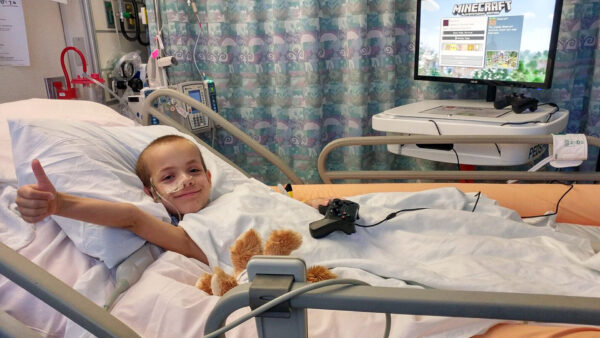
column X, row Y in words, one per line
column 339, row 215
column 519, row 103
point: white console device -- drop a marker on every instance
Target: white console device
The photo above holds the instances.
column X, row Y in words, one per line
column 470, row 117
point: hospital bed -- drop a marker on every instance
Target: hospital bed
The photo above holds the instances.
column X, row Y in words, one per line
column 164, row 302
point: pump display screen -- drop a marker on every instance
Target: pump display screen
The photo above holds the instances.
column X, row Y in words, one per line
column 195, row 94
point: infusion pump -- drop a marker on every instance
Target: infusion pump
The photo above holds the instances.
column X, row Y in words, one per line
column 193, row 119
column 204, row 92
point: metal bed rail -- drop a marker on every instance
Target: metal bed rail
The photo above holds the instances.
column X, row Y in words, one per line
column 219, row 120
column 69, row 302
column 58, row 295
column 327, row 176
column 431, row 302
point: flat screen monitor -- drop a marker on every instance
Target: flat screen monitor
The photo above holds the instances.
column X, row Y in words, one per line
column 497, row 43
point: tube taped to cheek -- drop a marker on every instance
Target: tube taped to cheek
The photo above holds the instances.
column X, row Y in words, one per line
column 176, row 186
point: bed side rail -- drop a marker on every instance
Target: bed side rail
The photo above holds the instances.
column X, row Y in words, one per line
column 10, row 327
column 219, row 120
column 450, row 303
column 328, row 176
column 60, row 296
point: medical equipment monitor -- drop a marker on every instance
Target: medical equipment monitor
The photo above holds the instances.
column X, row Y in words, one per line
column 195, row 94
column 199, row 91
column 498, row 43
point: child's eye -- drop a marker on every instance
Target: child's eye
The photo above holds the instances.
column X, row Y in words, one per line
column 166, row 178
column 195, row 170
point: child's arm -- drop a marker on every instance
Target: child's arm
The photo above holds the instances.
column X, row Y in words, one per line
column 37, row 201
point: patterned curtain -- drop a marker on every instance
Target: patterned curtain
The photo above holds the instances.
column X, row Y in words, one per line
column 297, row 74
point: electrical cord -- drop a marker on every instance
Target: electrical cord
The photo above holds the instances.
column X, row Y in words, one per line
column 138, row 29
column 394, row 214
column 571, row 186
column 478, row 194
column 122, row 24
column 289, row 295
column 389, row 217
column 454, row 150
column 137, row 26
column 519, row 123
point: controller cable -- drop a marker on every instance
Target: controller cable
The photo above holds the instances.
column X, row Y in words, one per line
column 394, row 214
column 571, row 186
column 478, row 195
column 289, row 295
column 534, row 122
column 388, row 217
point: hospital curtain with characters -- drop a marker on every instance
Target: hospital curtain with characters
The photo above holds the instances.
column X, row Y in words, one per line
column 297, row 74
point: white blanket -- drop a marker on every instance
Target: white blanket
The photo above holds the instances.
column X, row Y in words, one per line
column 13, row 231
column 447, row 246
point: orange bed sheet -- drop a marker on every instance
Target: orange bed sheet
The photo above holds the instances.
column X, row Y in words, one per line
column 580, row 206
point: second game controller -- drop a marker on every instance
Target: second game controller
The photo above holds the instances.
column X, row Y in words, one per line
column 519, row 103
column 339, row 215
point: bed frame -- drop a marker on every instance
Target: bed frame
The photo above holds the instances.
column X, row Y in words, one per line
column 544, row 308
column 328, row 176
column 449, row 303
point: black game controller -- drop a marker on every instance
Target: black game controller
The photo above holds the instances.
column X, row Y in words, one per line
column 519, row 103
column 339, row 215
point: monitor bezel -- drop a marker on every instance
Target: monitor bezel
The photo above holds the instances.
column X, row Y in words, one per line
column 537, row 85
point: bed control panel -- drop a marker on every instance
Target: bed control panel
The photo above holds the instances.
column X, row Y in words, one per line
column 339, row 215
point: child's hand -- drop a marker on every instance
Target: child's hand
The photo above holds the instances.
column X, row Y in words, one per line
column 37, row 201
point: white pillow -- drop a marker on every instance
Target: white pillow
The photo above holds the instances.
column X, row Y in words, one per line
column 72, row 110
column 94, row 161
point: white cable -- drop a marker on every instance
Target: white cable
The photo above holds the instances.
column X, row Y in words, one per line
column 536, row 167
column 121, row 100
column 164, row 199
column 288, row 296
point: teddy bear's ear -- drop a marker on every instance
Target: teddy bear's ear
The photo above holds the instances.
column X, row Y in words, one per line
column 319, row 273
column 282, row 242
column 249, row 244
column 221, row 282
column 203, row 283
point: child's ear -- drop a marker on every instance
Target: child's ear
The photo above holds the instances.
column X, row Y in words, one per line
column 208, row 177
column 148, row 192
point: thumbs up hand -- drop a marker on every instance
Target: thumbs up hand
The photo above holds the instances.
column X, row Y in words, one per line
column 37, row 201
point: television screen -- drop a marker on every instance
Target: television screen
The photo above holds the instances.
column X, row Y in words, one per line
column 488, row 42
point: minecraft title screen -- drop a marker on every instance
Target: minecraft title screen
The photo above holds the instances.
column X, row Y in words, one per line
column 491, row 40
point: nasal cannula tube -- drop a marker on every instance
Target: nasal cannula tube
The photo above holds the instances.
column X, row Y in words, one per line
column 166, row 200
column 178, row 185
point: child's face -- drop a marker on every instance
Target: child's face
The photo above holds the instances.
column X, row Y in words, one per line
column 179, row 177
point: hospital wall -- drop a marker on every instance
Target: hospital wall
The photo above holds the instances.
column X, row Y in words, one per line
column 45, row 40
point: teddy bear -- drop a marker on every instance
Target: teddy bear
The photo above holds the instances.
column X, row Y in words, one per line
column 249, row 244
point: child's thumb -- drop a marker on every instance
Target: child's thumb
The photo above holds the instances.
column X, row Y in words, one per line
column 43, row 182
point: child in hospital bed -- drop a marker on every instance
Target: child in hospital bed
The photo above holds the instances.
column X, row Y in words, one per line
column 172, row 171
